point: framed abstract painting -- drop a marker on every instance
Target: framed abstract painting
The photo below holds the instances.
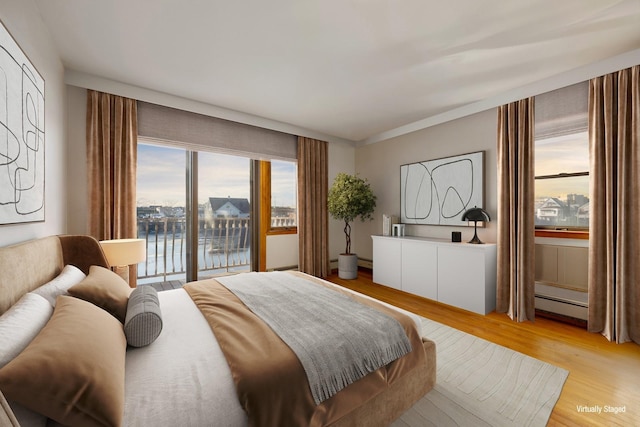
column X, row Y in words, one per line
column 22, row 174
column 438, row 192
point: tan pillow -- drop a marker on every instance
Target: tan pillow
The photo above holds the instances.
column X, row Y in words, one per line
column 73, row 371
column 105, row 289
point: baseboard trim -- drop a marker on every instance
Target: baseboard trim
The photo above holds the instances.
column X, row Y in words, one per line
column 562, row 318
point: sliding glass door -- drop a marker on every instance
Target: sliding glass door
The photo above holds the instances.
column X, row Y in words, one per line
column 194, row 211
column 224, row 225
column 160, row 197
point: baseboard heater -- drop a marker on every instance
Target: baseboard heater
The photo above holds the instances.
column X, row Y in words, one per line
column 565, row 302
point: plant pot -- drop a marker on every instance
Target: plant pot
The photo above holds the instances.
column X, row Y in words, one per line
column 347, row 266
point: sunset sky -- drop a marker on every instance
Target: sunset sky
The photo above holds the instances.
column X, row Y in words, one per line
column 567, row 154
column 161, row 173
column 161, row 177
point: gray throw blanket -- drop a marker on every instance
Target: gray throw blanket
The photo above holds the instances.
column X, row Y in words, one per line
column 337, row 339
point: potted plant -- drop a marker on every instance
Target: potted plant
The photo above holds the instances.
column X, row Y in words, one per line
column 350, row 197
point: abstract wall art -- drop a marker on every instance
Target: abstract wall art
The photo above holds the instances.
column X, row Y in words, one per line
column 438, row 192
column 22, row 177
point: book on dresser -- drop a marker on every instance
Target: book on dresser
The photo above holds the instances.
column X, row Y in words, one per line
column 387, row 224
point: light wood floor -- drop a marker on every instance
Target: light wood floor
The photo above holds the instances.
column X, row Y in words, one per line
column 601, row 374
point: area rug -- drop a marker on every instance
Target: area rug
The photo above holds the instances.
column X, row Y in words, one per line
column 480, row 383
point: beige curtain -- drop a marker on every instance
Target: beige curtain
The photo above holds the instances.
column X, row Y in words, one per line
column 516, row 228
column 112, row 138
column 614, row 221
column 313, row 218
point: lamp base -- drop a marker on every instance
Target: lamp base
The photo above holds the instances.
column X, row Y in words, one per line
column 475, row 239
column 122, row 271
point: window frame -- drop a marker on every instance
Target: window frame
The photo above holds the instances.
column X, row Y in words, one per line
column 571, row 232
column 561, row 113
column 192, row 219
column 265, row 203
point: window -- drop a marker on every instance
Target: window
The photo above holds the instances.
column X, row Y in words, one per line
column 222, row 231
column 220, row 235
column 161, row 195
column 278, row 200
column 562, row 182
column 283, row 183
column 224, row 203
column 562, row 160
column 224, row 188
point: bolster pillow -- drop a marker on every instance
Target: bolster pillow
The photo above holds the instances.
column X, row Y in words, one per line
column 143, row 322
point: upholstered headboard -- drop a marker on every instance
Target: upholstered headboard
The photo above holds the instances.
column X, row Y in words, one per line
column 25, row 266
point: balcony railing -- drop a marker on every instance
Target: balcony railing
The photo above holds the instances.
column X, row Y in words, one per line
column 277, row 222
column 223, row 245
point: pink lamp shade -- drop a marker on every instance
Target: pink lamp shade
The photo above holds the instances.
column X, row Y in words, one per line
column 121, row 252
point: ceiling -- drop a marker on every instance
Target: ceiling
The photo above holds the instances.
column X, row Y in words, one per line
column 350, row 69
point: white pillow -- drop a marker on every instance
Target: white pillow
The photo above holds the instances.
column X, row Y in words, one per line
column 70, row 276
column 21, row 323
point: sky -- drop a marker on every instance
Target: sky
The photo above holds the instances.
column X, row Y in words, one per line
column 568, row 154
column 161, row 177
column 161, row 173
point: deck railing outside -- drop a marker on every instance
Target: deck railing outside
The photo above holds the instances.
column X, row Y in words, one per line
column 223, row 245
column 283, row 222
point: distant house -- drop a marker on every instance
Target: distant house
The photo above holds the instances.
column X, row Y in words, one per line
column 171, row 212
column 552, row 211
column 227, row 207
column 147, row 211
column 577, row 200
column 583, row 215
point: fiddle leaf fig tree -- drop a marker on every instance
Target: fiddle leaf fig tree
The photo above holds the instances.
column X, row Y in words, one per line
column 350, row 197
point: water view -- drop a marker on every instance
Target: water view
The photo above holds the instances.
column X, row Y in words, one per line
column 223, row 245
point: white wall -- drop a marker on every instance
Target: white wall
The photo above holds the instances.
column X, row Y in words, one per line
column 380, row 164
column 22, row 19
column 282, row 251
column 341, row 159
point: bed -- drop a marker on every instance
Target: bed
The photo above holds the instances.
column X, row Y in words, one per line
column 183, row 377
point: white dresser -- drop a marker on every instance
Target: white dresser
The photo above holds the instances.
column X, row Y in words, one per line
column 459, row 274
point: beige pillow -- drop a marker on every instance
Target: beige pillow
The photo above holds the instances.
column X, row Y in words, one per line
column 105, row 289
column 73, row 371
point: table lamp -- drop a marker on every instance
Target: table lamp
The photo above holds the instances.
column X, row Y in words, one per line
column 476, row 214
column 121, row 253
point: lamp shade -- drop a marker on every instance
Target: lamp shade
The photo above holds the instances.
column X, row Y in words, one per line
column 120, row 252
column 476, row 214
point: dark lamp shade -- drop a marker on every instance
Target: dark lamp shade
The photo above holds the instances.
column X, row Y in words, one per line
column 476, row 214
